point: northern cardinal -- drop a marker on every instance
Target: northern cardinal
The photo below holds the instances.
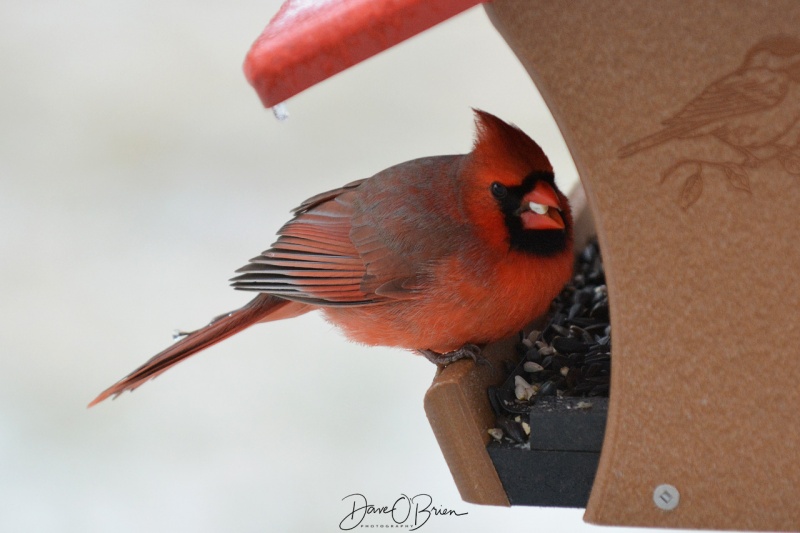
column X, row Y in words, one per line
column 439, row 255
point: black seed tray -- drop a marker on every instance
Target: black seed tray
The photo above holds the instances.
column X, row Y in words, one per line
column 551, row 410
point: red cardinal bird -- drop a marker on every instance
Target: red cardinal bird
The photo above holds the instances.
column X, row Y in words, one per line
column 437, row 255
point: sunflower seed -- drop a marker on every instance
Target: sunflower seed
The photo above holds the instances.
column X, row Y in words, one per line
column 532, row 367
column 569, row 345
column 547, row 350
column 574, row 311
column 527, row 342
column 522, row 389
column 512, row 429
column 561, row 330
column 549, row 388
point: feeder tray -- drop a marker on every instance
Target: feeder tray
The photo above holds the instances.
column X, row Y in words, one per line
column 556, row 467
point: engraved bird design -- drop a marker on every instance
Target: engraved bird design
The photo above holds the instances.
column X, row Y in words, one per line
column 754, row 110
column 755, row 107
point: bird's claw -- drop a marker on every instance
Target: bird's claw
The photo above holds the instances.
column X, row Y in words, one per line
column 468, row 351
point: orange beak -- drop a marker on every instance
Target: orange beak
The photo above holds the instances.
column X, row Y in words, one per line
column 541, row 209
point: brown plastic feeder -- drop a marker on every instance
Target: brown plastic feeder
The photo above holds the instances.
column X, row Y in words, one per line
column 683, row 121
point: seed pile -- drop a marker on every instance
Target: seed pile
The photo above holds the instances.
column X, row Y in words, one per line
column 571, row 356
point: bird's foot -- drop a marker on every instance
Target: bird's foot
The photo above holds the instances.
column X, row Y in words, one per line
column 468, row 351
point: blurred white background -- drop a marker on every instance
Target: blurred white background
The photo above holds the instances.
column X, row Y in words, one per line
column 138, row 170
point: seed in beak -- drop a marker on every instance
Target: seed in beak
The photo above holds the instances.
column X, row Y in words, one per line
column 539, row 209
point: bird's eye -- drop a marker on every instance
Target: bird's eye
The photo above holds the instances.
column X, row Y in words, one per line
column 499, row 190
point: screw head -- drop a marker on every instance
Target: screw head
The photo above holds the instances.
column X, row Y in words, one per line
column 666, row 497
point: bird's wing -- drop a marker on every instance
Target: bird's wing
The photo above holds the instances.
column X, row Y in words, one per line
column 746, row 91
column 327, row 255
column 321, row 198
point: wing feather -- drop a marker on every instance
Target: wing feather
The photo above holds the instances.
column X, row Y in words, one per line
column 320, row 258
column 366, row 243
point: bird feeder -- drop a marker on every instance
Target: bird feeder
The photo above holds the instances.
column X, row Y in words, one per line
column 683, row 119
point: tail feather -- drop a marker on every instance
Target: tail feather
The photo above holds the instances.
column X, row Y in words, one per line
column 220, row 328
